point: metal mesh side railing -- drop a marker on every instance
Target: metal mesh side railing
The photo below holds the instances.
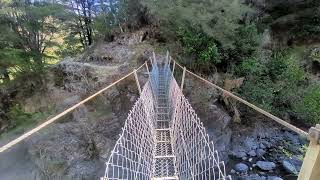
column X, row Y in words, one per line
column 195, row 154
column 138, row 153
column 154, row 79
column 132, row 156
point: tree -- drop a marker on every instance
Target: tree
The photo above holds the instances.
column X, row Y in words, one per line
column 83, row 11
column 35, row 25
column 28, row 30
column 217, row 18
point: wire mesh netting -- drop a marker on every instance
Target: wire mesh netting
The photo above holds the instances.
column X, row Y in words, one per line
column 163, row 138
column 132, row 156
column 195, row 154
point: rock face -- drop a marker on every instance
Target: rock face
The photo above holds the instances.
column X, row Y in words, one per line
column 78, row 146
column 216, row 120
column 288, row 19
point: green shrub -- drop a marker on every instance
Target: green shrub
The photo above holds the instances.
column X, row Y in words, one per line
column 17, row 115
column 246, row 41
column 210, row 55
column 286, row 66
column 309, row 107
column 251, row 67
column 199, row 45
column 190, row 39
column 259, row 91
column 288, row 75
column 277, row 85
column 277, row 65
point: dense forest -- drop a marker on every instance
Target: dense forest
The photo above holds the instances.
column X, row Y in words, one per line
column 207, row 36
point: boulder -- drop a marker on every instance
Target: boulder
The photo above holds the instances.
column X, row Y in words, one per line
column 241, row 168
column 266, row 165
column 289, row 167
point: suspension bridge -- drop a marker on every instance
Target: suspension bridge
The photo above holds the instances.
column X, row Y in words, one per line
column 163, row 138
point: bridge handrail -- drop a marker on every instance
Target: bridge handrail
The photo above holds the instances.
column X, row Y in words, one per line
column 278, row 120
column 58, row 116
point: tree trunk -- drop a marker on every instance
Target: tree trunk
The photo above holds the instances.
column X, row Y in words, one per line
column 38, row 59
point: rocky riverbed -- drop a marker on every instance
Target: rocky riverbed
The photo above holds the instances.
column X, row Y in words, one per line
column 266, row 151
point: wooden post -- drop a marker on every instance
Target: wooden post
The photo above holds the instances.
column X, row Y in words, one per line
column 154, row 57
column 137, row 80
column 174, row 65
column 310, row 169
column 147, row 69
column 183, row 76
column 167, row 57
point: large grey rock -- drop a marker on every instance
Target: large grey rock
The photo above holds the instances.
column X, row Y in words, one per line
column 266, row 165
column 241, row 167
column 289, row 167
